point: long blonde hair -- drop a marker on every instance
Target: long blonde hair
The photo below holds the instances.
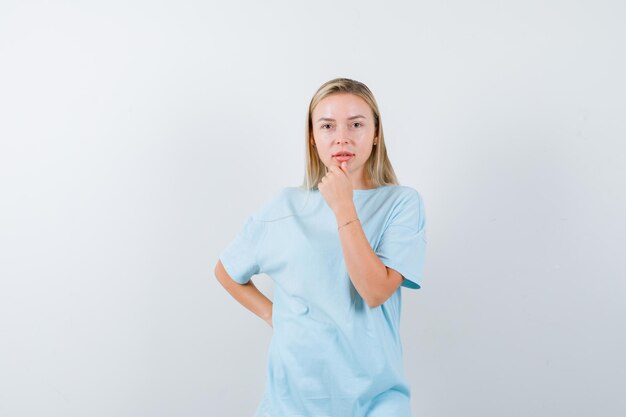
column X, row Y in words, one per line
column 377, row 167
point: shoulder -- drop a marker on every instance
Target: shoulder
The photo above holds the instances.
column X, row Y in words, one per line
column 279, row 204
column 402, row 194
column 406, row 201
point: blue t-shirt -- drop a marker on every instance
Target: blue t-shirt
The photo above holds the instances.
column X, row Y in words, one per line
column 331, row 354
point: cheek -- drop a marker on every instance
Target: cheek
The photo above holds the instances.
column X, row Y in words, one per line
column 322, row 143
column 321, row 149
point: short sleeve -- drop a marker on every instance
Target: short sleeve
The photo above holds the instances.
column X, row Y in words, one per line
column 403, row 242
column 240, row 257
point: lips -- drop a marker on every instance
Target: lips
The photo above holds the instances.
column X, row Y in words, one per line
column 343, row 153
column 343, row 156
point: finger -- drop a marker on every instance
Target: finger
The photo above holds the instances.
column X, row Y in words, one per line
column 338, row 170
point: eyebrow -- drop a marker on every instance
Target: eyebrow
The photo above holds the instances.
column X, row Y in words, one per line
column 328, row 119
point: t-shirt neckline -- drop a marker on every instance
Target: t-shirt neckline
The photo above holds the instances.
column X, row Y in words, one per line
column 368, row 191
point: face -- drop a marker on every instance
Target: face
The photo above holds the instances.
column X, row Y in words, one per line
column 344, row 122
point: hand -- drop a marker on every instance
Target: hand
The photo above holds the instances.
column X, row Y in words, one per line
column 336, row 187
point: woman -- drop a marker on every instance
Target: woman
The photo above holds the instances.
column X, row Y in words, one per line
column 338, row 249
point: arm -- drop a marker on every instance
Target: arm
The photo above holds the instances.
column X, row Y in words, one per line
column 374, row 281
column 247, row 294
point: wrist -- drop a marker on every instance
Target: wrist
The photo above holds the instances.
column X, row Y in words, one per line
column 345, row 213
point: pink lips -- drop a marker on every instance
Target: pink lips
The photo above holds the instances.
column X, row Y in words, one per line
column 342, row 158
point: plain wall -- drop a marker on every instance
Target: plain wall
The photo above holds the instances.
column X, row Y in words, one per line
column 137, row 136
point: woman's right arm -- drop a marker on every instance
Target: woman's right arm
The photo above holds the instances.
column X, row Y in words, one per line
column 246, row 294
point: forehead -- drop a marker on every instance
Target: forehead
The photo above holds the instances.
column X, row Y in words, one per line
column 341, row 106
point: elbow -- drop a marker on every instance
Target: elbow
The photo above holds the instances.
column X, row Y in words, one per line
column 374, row 301
column 382, row 294
column 376, row 298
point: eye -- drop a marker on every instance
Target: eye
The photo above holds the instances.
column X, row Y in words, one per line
column 357, row 123
column 324, row 126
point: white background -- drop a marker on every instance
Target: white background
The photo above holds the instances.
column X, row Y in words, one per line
column 136, row 136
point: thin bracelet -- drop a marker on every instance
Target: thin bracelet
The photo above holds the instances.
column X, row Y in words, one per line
column 353, row 220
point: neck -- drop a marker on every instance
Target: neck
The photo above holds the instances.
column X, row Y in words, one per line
column 364, row 184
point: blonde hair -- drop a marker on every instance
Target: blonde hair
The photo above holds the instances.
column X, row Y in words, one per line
column 378, row 168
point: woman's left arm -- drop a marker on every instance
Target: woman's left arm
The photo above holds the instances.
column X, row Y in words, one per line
column 374, row 281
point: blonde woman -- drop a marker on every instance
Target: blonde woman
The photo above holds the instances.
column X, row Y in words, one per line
column 338, row 248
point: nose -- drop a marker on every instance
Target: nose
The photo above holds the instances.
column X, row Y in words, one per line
column 342, row 135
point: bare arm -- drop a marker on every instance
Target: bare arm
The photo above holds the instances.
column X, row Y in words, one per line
column 372, row 279
column 247, row 294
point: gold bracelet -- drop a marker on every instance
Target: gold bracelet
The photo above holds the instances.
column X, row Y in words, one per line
column 353, row 220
